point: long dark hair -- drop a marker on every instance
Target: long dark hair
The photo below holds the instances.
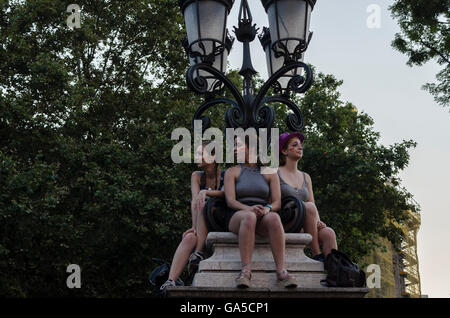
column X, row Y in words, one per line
column 217, row 166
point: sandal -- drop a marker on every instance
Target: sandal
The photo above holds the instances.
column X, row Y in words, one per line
column 194, row 260
column 243, row 280
column 286, row 280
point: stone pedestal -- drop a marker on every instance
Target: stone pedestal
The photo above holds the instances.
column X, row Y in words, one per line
column 225, row 263
column 216, row 275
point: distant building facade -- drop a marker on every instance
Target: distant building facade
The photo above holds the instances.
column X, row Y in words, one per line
column 399, row 268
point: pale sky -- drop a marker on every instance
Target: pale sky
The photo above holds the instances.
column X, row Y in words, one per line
column 378, row 82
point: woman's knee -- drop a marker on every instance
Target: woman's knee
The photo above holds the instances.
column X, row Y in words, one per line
column 249, row 220
column 190, row 239
column 327, row 234
column 273, row 220
column 311, row 210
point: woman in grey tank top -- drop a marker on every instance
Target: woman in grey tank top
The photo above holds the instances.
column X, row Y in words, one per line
column 298, row 184
column 248, row 194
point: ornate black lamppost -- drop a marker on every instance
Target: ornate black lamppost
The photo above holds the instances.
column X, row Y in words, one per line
column 285, row 41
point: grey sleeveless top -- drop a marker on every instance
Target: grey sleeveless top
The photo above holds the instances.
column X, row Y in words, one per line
column 288, row 190
column 252, row 186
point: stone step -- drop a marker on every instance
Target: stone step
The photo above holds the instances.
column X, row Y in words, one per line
column 234, row 293
column 259, row 279
column 231, row 238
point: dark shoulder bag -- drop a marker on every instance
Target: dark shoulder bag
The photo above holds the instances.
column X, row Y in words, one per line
column 342, row 272
column 160, row 274
column 215, row 211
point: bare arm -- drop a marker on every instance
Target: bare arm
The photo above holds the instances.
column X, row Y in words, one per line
column 275, row 192
column 195, row 189
column 310, row 189
column 311, row 196
column 215, row 193
column 230, row 189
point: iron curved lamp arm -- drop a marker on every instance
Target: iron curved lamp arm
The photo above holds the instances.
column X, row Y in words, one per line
column 243, row 115
column 200, row 85
column 234, row 116
column 298, row 84
column 294, row 121
column 266, row 117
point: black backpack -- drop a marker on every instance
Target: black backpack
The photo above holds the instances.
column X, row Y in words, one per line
column 215, row 210
column 160, row 275
column 215, row 214
column 292, row 207
column 342, row 272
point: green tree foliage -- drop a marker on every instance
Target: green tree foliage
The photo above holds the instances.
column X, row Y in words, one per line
column 86, row 117
column 86, row 178
column 355, row 179
column 425, row 36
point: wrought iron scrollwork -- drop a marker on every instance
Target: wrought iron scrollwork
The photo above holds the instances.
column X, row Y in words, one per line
column 261, row 116
column 299, row 85
column 294, row 121
column 247, row 110
column 197, row 84
column 234, row 116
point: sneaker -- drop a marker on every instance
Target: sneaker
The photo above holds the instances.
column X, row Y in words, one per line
column 319, row 257
column 286, row 280
column 243, row 280
column 194, row 260
column 162, row 289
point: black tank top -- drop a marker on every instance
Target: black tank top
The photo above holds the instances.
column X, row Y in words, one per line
column 203, row 181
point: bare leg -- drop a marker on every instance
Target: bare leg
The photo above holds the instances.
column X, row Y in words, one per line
column 243, row 223
column 270, row 225
column 327, row 239
column 202, row 231
column 181, row 256
column 310, row 226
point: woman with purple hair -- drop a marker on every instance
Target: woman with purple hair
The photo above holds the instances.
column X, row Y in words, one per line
column 296, row 183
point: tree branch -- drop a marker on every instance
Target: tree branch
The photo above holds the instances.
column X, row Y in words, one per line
column 445, row 58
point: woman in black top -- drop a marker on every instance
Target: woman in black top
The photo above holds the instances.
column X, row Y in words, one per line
column 204, row 184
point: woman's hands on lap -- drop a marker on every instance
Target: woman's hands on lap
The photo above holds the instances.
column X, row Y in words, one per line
column 259, row 210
